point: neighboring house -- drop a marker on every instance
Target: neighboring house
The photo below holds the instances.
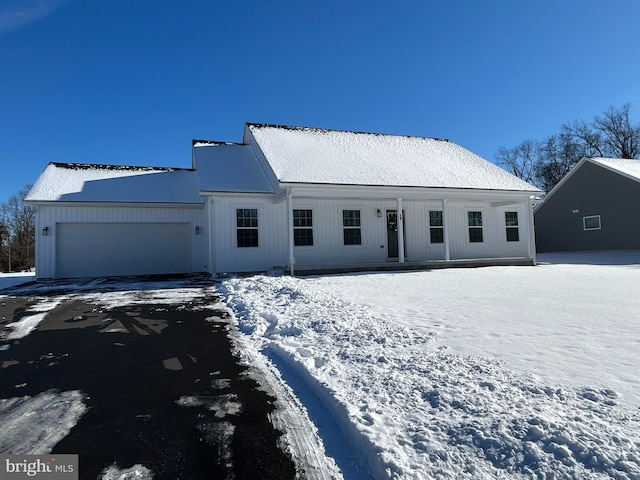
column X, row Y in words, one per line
column 594, row 207
column 286, row 198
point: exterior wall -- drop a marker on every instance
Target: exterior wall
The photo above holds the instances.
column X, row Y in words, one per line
column 50, row 216
column 328, row 247
column 591, row 190
column 272, row 250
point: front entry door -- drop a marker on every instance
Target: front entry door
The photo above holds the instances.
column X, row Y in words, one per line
column 392, row 233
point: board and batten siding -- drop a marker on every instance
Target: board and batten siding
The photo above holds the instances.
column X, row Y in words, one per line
column 328, row 242
column 52, row 216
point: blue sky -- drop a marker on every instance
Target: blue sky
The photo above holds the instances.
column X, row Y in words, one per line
column 132, row 82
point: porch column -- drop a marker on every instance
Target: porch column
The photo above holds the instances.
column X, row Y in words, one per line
column 445, row 223
column 532, row 233
column 292, row 259
column 209, row 213
column 400, row 232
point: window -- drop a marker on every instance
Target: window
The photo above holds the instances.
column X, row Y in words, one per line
column 351, row 227
column 302, row 228
column 591, row 223
column 511, row 223
column 436, row 226
column 475, row 226
column 247, row 227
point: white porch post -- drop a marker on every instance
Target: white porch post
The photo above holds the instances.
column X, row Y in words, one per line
column 292, row 259
column 400, row 232
column 532, row 232
column 210, row 233
column 445, row 223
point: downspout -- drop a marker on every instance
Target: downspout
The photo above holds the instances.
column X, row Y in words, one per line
column 532, row 232
column 445, row 223
column 292, row 259
column 400, row 232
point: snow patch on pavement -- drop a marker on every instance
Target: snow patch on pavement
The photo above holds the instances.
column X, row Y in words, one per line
column 33, row 425
column 137, row 472
column 26, row 325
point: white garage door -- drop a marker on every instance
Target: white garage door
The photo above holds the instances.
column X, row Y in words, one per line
column 105, row 249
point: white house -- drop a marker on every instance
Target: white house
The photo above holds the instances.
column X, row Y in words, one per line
column 286, row 198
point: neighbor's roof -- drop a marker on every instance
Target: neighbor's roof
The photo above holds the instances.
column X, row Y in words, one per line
column 629, row 168
column 312, row 155
column 75, row 182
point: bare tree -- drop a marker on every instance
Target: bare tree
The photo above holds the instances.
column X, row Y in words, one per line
column 521, row 160
column 620, row 137
column 545, row 163
column 18, row 219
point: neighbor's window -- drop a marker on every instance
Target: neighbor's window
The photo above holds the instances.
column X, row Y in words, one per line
column 351, row 227
column 302, row 227
column 436, row 226
column 592, row 222
column 247, row 227
column 511, row 223
column 475, row 226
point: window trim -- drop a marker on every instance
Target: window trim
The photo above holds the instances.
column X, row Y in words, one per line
column 584, row 223
column 305, row 227
column 238, row 229
column 512, row 228
column 357, row 227
column 440, row 227
column 475, row 227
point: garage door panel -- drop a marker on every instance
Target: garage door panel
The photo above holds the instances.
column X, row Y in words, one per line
column 104, row 249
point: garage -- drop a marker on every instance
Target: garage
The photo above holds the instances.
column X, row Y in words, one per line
column 109, row 249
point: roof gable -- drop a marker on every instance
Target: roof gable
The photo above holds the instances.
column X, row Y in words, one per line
column 311, row 155
column 624, row 167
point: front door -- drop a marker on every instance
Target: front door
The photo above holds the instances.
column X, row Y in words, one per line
column 392, row 233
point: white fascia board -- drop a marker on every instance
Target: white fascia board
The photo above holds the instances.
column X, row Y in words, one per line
column 55, row 203
column 407, row 193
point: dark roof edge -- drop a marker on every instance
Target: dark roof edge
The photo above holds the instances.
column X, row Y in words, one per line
column 103, row 166
column 325, row 130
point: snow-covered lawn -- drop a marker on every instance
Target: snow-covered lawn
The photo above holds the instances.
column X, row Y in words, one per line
column 16, row 278
column 527, row 372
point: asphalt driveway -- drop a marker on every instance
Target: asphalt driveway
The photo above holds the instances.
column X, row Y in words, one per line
column 161, row 386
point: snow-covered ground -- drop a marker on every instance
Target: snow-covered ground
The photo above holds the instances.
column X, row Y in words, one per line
column 497, row 372
column 525, row 372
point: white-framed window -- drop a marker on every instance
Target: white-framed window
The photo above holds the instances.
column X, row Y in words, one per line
column 351, row 226
column 302, row 227
column 474, row 219
column 511, row 225
column 246, row 227
column 436, row 226
column 591, row 222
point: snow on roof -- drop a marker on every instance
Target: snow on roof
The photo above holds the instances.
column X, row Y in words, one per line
column 630, row 168
column 224, row 167
column 311, row 155
column 75, row 182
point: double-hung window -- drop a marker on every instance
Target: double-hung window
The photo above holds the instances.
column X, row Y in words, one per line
column 247, row 227
column 351, row 227
column 511, row 224
column 302, row 227
column 436, row 226
column 475, row 227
